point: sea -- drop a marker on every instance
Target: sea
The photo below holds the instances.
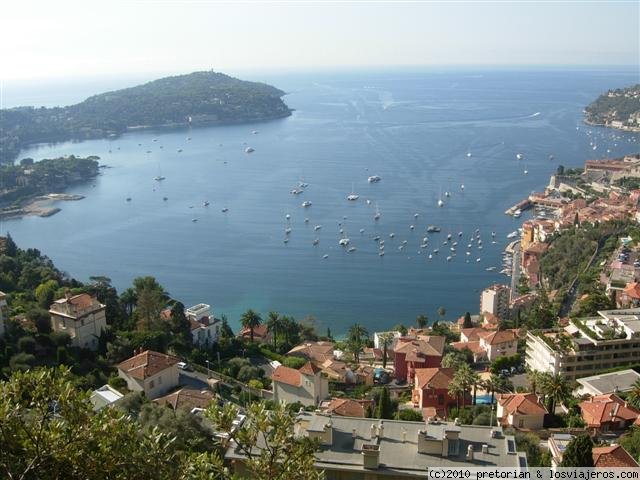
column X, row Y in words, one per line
column 429, row 134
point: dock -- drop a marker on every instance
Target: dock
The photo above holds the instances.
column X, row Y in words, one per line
column 522, row 205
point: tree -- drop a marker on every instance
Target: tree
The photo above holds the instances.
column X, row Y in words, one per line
column 273, row 325
column 578, row 452
column 631, row 442
column 250, row 320
column 633, row 397
column 400, row 328
column 409, row 415
column 385, row 339
column 384, row 407
column 442, row 312
column 128, row 299
column 453, row 359
column 557, row 388
column 465, row 379
column 492, row 385
column 45, row 293
column 356, row 341
column 265, row 440
column 49, row 430
column 455, row 389
column 421, row 320
column 467, row 321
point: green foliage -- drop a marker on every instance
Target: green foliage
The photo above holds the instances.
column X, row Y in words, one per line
column 45, row 176
column 578, row 452
column 199, row 98
column 530, row 443
column 294, row 362
column 421, row 321
column 409, row 415
column 505, row 362
column 250, row 320
column 454, row 358
column 631, row 442
column 467, row 321
column 384, row 406
column 443, row 330
column 616, row 106
column 45, row 293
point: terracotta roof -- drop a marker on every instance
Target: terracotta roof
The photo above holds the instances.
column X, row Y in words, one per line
column 490, row 319
column 473, row 346
column 423, row 346
column 319, row 351
column 309, row 369
column 521, row 403
column 501, row 336
column 147, row 364
column 474, row 334
column 287, row 375
column 345, row 407
column 612, row 456
column 632, row 290
column 259, row 332
column 75, row 305
column 187, row 398
column 436, row 378
column 607, row 408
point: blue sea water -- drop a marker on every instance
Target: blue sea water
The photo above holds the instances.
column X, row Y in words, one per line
column 412, row 128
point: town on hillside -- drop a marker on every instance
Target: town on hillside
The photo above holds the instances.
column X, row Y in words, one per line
column 544, row 373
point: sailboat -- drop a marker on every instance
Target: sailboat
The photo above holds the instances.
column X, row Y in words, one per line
column 159, row 177
column 352, row 196
column 377, row 214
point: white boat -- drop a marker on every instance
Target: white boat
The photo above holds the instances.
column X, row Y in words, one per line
column 448, row 236
column 381, row 254
column 159, row 178
column 317, row 227
column 526, row 171
column 306, row 220
column 352, row 196
column 225, row 210
column 287, row 216
column 462, row 187
column 316, row 241
column 440, row 203
column 205, row 203
column 433, row 229
column 490, row 269
column 468, row 154
column 391, row 235
column 449, row 259
column 517, row 214
column 512, row 234
column 376, row 216
column 296, row 191
column 376, row 238
column 194, row 220
column 249, row 150
column 411, row 227
column 306, row 204
column 287, row 231
column 430, row 256
column 436, row 250
column 286, row 240
column 477, row 259
column 447, row 194
column 325, row 256
column 351, row 249
column 374, row 179
column 343, row 242
column 519, row 156
column 302, row 184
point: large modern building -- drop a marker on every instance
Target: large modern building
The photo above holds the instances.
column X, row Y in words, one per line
column 587, row 346
column 495, row 300
column 371, row 449
column 205, row 328
column 615, row 382
column 81, row 316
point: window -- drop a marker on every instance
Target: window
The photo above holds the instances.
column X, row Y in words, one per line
column 152, row 384
column 520, row 423
column 160, row 380
column 453, row 447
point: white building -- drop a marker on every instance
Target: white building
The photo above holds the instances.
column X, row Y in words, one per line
column 150, row 372
column 104, row 396
column 307, row 385
column 520, row 410
column 205, row 328
column 614, row 382
column 82, row 317
column 495, row 300
column 394, row 334
column 587, row 346
column 3, row 305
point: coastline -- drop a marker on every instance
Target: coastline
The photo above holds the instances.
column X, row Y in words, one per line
column 608, row 125
column 39, row 206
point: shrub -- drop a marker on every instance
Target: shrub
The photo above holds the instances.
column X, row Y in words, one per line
column 409, row 415
column 294, row 362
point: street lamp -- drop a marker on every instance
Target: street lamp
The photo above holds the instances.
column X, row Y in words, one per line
column 208, row 374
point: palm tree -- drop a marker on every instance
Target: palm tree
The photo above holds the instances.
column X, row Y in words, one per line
column 273, row 325
column 535, row 380
column 476, row 381
column 465, row 378
column 557, row 388
column 250, row 320
column 492, row 385
column 128, row 299
column 442, row 312
column 634, row 395
column 455, row 389
column 421, row 320
column 385, row 340
column 358, row 335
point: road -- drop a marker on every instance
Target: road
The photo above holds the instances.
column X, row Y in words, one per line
column 515, row 269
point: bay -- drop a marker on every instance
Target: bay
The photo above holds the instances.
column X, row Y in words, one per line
column 413, row 128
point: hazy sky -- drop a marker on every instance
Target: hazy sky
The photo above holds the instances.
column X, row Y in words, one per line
column 62, row 38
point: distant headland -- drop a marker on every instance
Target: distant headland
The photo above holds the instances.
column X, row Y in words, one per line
column 199, row 98
column 619, row 108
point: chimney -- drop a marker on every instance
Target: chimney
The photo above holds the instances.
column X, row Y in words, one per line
column 370, row 456
column 354, row 433
column 485, row 448
column 380, row 430
column 470, row 453
column 404, row 435
column 374, row 431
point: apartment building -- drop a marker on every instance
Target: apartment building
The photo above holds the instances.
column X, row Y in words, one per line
column 81, row 316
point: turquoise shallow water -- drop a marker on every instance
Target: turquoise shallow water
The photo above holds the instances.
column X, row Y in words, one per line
column 412, row 128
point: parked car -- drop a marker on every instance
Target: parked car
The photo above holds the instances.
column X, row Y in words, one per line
column 184, row 366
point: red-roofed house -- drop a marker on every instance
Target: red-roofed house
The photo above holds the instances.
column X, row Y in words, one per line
column 346, row 407
column 260, row 334
column 499, row 343
column 630, row 295
column 521, row 410
column 306, row 385
column 81, row 316
column 150, row 372
column 612, row 456
column 604, row 413
column 431, row 389
column 411, row 353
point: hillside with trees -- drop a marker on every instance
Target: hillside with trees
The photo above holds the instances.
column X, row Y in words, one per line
column 199, row 98
column 619, row 105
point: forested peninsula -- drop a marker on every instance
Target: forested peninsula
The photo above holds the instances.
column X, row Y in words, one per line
column 619, row 108
column 199, row 98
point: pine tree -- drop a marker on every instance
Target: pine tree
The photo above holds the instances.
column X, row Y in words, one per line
column 467, row 321
column 384, row 408
column 578, row 452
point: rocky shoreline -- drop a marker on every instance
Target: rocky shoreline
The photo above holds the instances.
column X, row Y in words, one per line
column 40, row 206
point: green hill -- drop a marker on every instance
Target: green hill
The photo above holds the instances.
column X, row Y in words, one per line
column 200, row 98
column 619, row 108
